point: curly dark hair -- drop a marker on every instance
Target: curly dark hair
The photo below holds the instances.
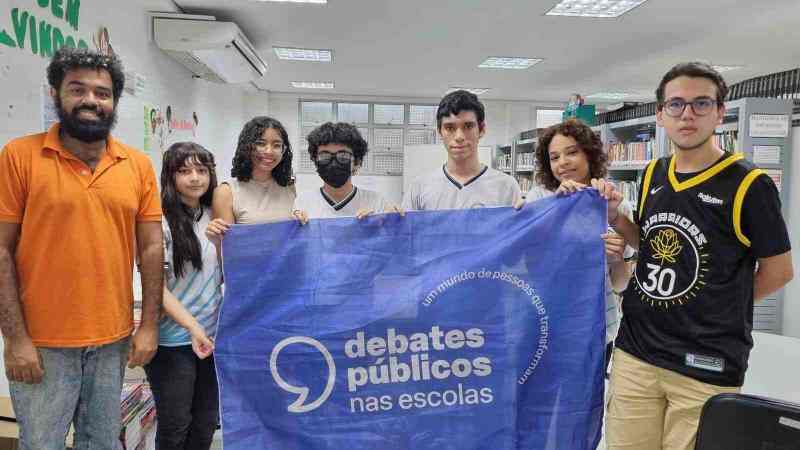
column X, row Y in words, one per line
column 338, row 133
column 68, row 58
column 242, row 168
column 458, row 101
column 693, row 69
column 588, row 142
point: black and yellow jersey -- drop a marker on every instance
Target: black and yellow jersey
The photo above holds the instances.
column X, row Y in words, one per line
column 689, row 307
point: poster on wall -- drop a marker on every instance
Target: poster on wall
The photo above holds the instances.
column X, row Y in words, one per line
column 163, row 127
column 49, row 111
column 153, row 131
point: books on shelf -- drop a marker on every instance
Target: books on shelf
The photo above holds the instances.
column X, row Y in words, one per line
column 525, row 183
column 525, row 160
column 633, row 151
column 727, row 140
column 504, row 162
column 629, row 189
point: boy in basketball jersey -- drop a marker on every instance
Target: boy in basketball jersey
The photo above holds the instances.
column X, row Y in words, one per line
column 711, row 241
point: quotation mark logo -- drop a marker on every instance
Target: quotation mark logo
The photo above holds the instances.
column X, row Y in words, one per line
column 299, row 405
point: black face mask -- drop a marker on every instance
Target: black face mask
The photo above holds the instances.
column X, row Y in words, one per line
column 334, row 173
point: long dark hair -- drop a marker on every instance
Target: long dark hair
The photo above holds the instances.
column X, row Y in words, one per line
column 180, row 217
column 242, row 168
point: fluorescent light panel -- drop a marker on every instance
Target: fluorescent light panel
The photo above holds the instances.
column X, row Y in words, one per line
column 613, row 95
column 593, row 8
column 312, row 84
column 721, row 68
column 321, row 2
column 508, row 62
column 476, row 91
column 303, row 54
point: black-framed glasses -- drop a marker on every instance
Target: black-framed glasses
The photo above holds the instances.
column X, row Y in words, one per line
column 700, row 106
column 342, row 156
column 275, row 147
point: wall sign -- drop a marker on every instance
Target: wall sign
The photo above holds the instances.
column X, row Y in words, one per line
column 769, row 125
column 43, row 35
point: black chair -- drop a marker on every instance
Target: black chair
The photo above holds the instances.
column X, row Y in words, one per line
column 746, row 422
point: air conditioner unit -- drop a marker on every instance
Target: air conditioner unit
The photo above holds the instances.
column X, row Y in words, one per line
column 212, row 50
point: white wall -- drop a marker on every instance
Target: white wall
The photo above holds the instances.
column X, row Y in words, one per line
column 221, row 108
column 791, row 297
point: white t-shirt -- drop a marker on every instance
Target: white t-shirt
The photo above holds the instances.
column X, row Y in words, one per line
column 318, row 205
column 438, row 190
column 612, row 307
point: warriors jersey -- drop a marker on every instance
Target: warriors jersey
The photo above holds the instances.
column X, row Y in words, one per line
column 689, row 307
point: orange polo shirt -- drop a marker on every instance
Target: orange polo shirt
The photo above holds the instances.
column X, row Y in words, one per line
column 76, row 250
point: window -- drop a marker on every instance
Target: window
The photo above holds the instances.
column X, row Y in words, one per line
column 387, row 128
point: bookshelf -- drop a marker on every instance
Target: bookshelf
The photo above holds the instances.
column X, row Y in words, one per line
column 758, row 127
column 524, row 162
column 502, row 159
column 518, row 159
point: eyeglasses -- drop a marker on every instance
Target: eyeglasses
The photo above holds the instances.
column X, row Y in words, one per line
column 701, row 106
column 275, row 147
column 342, row 156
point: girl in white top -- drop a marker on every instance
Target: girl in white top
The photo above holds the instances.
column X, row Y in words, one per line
column 338, row 150
column 263, row 187
column 568, row 157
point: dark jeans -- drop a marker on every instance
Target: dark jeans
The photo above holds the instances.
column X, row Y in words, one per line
column 187, row 403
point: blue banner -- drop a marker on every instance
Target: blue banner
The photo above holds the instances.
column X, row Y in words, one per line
column 472, row 329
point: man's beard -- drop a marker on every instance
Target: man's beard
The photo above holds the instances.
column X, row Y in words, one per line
column 88, row 131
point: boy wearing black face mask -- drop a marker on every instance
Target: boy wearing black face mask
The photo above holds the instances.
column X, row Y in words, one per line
column 337, row 150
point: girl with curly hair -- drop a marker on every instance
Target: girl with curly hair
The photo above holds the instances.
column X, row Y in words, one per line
column 263, row 186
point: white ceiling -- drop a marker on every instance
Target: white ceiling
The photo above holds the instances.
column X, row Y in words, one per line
column 419, row 48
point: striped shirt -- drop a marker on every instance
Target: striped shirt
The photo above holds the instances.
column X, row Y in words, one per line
column 199, row 291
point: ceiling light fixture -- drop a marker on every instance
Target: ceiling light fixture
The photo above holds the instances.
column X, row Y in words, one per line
column 320, row 2
column 508, row 62
column 476, row 91
column 615, row 96
column 721, row 68
column 593, row 8
column 312, row 84
column 303, row 54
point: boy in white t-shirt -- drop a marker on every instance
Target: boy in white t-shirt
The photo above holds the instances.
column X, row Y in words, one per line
column 338, row 150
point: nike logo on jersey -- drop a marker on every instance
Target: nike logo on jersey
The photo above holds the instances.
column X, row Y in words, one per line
column 655, row 190
column 709, row 199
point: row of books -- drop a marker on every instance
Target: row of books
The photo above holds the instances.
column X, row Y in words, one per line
column 634, row 151
column 727, row 140
column 630, row 191
column 504, row 162
column 525, row 183
column 525, row 159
